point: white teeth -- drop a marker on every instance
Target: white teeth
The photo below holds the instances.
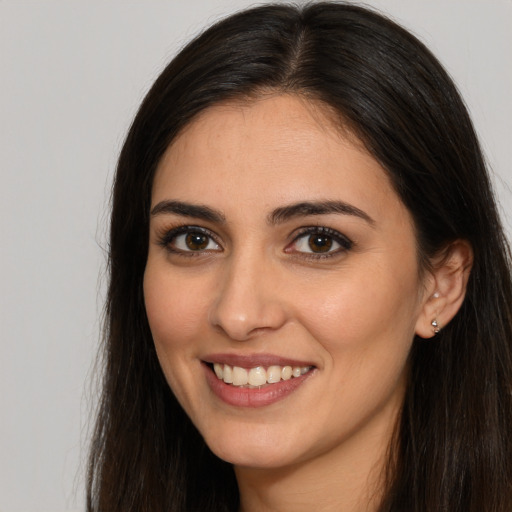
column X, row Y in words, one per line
column 286, row 373
column 227, row 374
column 258, row 376
column 273, row 374
column 240, row 376
column 217, row 368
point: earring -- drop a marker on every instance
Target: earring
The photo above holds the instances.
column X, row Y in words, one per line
column 436, row 326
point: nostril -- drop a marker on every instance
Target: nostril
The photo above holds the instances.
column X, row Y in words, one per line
column 244, row 320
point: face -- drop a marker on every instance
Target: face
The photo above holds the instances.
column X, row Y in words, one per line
column 277, row 246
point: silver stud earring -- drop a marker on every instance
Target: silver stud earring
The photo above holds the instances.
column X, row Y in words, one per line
column 436, row 326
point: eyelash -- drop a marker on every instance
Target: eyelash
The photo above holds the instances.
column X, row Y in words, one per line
column 168, row 238
column 344, row 242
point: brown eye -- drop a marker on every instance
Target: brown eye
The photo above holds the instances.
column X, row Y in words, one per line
column 320, row 243
column 196, row 241
column 190, row 240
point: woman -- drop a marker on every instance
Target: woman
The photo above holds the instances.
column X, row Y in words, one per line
column 309, row 302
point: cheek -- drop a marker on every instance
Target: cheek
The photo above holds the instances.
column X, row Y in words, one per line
column 362, row 309
column 175, row 312
column 174, row 320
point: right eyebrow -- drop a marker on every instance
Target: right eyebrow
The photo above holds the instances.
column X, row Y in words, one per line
column 188, row 210
column 306, row 208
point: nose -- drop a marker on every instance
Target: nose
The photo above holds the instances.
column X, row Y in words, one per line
column 248, row 301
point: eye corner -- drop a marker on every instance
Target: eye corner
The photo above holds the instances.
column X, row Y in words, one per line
column 329, row 243
column 189, row 240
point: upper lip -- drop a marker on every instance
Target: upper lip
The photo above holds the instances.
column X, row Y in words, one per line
column 254, row 360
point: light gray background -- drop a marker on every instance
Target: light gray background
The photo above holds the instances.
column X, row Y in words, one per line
column 72, row 75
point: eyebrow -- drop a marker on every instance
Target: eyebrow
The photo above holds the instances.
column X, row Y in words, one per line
column 277, row 216
column 196, row 211
column 302, row 209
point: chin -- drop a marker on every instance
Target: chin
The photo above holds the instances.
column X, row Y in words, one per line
column 257, row 459
column 259, row 450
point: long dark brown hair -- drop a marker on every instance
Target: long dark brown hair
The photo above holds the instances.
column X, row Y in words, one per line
column 453, row 449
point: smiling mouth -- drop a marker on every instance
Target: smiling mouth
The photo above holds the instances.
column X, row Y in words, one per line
column 258, row 376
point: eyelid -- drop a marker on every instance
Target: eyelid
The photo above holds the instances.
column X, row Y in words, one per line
column 345, row 243
column 169, row 234
column 166, row 237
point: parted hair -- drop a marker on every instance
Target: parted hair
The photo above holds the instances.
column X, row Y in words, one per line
column 452, row 449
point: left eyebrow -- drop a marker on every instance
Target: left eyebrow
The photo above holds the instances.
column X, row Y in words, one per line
column 302, row 209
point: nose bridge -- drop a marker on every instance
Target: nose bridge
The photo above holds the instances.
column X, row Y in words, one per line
column 247, row 301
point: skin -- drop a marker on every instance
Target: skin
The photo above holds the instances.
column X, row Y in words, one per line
column 258, row 288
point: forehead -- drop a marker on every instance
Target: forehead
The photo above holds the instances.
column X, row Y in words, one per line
column 262, row 152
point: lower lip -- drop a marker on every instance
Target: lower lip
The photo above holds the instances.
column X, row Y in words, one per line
column 253, row 397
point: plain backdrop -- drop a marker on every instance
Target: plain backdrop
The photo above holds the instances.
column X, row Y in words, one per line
column 72, row 75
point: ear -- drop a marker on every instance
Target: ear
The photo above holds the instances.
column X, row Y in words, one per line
column 445, row 288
